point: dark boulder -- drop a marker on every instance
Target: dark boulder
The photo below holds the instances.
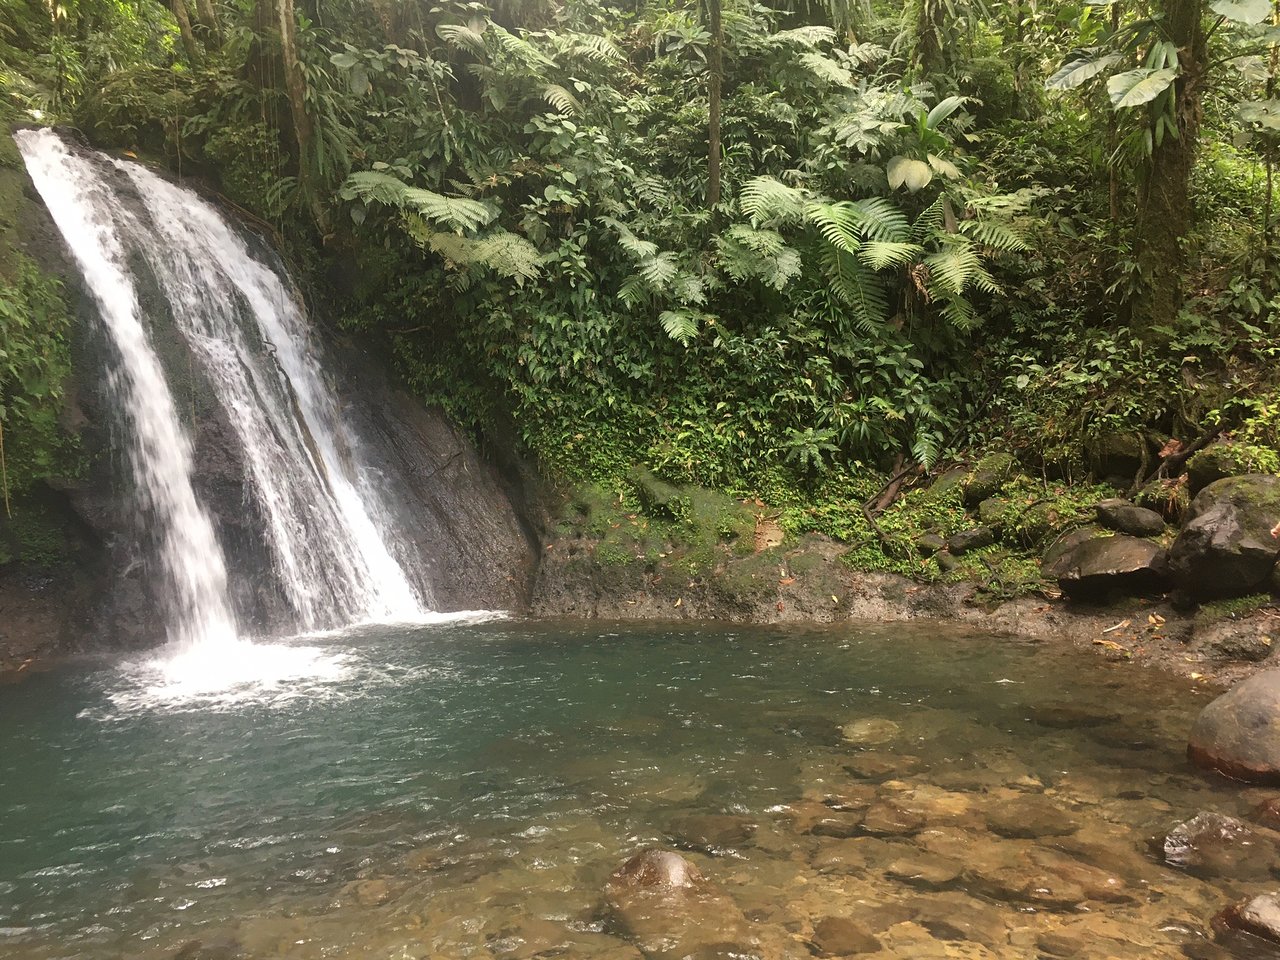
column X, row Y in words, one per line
column 974, row 539
column 1117, row 455
column 1226, row 548
column 842, row 937
column 710, row 833
column 1238, row 734
column 1130, row 518
column 1094, row 567
column 1215, row 462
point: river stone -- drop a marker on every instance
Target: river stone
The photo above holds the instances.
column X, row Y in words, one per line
column 1130, row 518
column 1215, row 462
column 922, row 868
column 870, row 730
column 880, row 764
column 1226, row 547
column 1093, row 567
column 1259, row 916
column 664, row 904
column 842, row 937
column 930, row 543
column 1116, row 455
column 891, row 818
column 215, row 948
column 1212, row 844
column 1029, row 817
column 974, row 539
column 1246, row 640
column 1238, row 734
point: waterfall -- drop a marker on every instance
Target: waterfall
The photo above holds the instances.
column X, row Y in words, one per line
column 335, row 554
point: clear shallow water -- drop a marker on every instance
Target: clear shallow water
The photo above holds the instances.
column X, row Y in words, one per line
column 464, row 790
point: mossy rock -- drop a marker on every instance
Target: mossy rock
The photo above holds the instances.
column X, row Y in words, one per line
column 1117, row 454
column 1228, row 459
column 993, row 511
column 659, row 498
column 988, row 477
column 947, row 484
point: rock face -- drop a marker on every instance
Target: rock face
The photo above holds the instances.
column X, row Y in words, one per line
column 664, row 904
column 1091, row 567
column 1226, row 548
column 1130, row 518
column 988, row 476
column 1238, row 734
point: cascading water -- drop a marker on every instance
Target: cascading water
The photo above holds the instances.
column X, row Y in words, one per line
column 335, row 553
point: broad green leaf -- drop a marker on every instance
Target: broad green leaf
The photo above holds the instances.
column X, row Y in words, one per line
column 1242, row 11
column 944, row 167
column 1080, row 71
column 942, row 110
column 1133, row 88
column 908, row 172
column 1265, row 113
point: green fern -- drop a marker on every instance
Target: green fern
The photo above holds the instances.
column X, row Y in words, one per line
column 767, row 200
column 681, row 325
column 561, row 99
column 857, row 286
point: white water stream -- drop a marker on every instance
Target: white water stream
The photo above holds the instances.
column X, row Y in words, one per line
column 336, row 556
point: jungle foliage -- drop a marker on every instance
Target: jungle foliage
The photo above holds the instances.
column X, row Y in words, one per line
column 965, row 222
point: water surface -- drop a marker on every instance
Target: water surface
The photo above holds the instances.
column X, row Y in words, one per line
column 464, row 790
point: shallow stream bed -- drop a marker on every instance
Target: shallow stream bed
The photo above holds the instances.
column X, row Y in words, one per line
column 465, row 790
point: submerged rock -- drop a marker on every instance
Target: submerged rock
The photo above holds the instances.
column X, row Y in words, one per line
column 710, row 833
column 1130, row 518
column 870, row 730
column 664, row 904
column 1212, row 844
column 1093, row 567
column 1259, row 916
column 1226, row 548
column 1238, row 734
column 842, row 937
column 214, row 948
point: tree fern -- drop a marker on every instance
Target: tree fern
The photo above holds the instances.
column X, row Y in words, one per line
column 825, row 69
column 748, row 253
column 839, row 223
column 561, row 99
column 883, row 254
column 457, row 213
column 883, row 220
column 464, row 36
column 633, row 245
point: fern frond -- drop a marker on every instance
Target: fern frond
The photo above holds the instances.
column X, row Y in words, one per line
column 765, row 199
column 594, row 47
column 857, row 286
column 456, row 212
column 463, row 36
column 660, row 270
column 997, row 236
column 561, row 99
column 839, row 223
column 929, row 221
column 953, row 269
column 826, row 69
column 882, row 220
column 628, row 241
column 376, row 186
column 519, row 48
column 689, row 289
column 807, row 37
column 633, row 291
column 960, row 314
column 760, row 254
column 882, row 254
column 681, row 325
column 926, row 449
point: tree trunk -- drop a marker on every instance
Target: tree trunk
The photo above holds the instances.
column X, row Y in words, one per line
column 295, row 85
column 209, row 21
column 1164, row 201
column 189, row 42
column 714, row 79
column 930, row 23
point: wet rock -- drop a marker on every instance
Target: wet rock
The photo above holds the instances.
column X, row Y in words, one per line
column 988, row 476
column 369, row 893
column 958, row 917
column 1267, row 813
column 710, row 833
column 974, row 539
column 1029, row 816
column 1049, row 878
column 850, row 797
column 529, row 937
column 842, row 937
column 814, row 729
column 423, row 858
column 664, row 905
column 1238, row 734
column 870, row 730
column 1214, row 845
column 1092, row 568
column 1226, row 548
column 1259, row 916
column 1129, row 518
column 1116, row 455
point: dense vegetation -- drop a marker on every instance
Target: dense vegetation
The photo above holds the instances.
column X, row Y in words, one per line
column 783, row 252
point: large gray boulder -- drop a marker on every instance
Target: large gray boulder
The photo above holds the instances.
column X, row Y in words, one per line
column 1238, row 734
column 1091, row 567
column 1130, row 518
column 1226, row 548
